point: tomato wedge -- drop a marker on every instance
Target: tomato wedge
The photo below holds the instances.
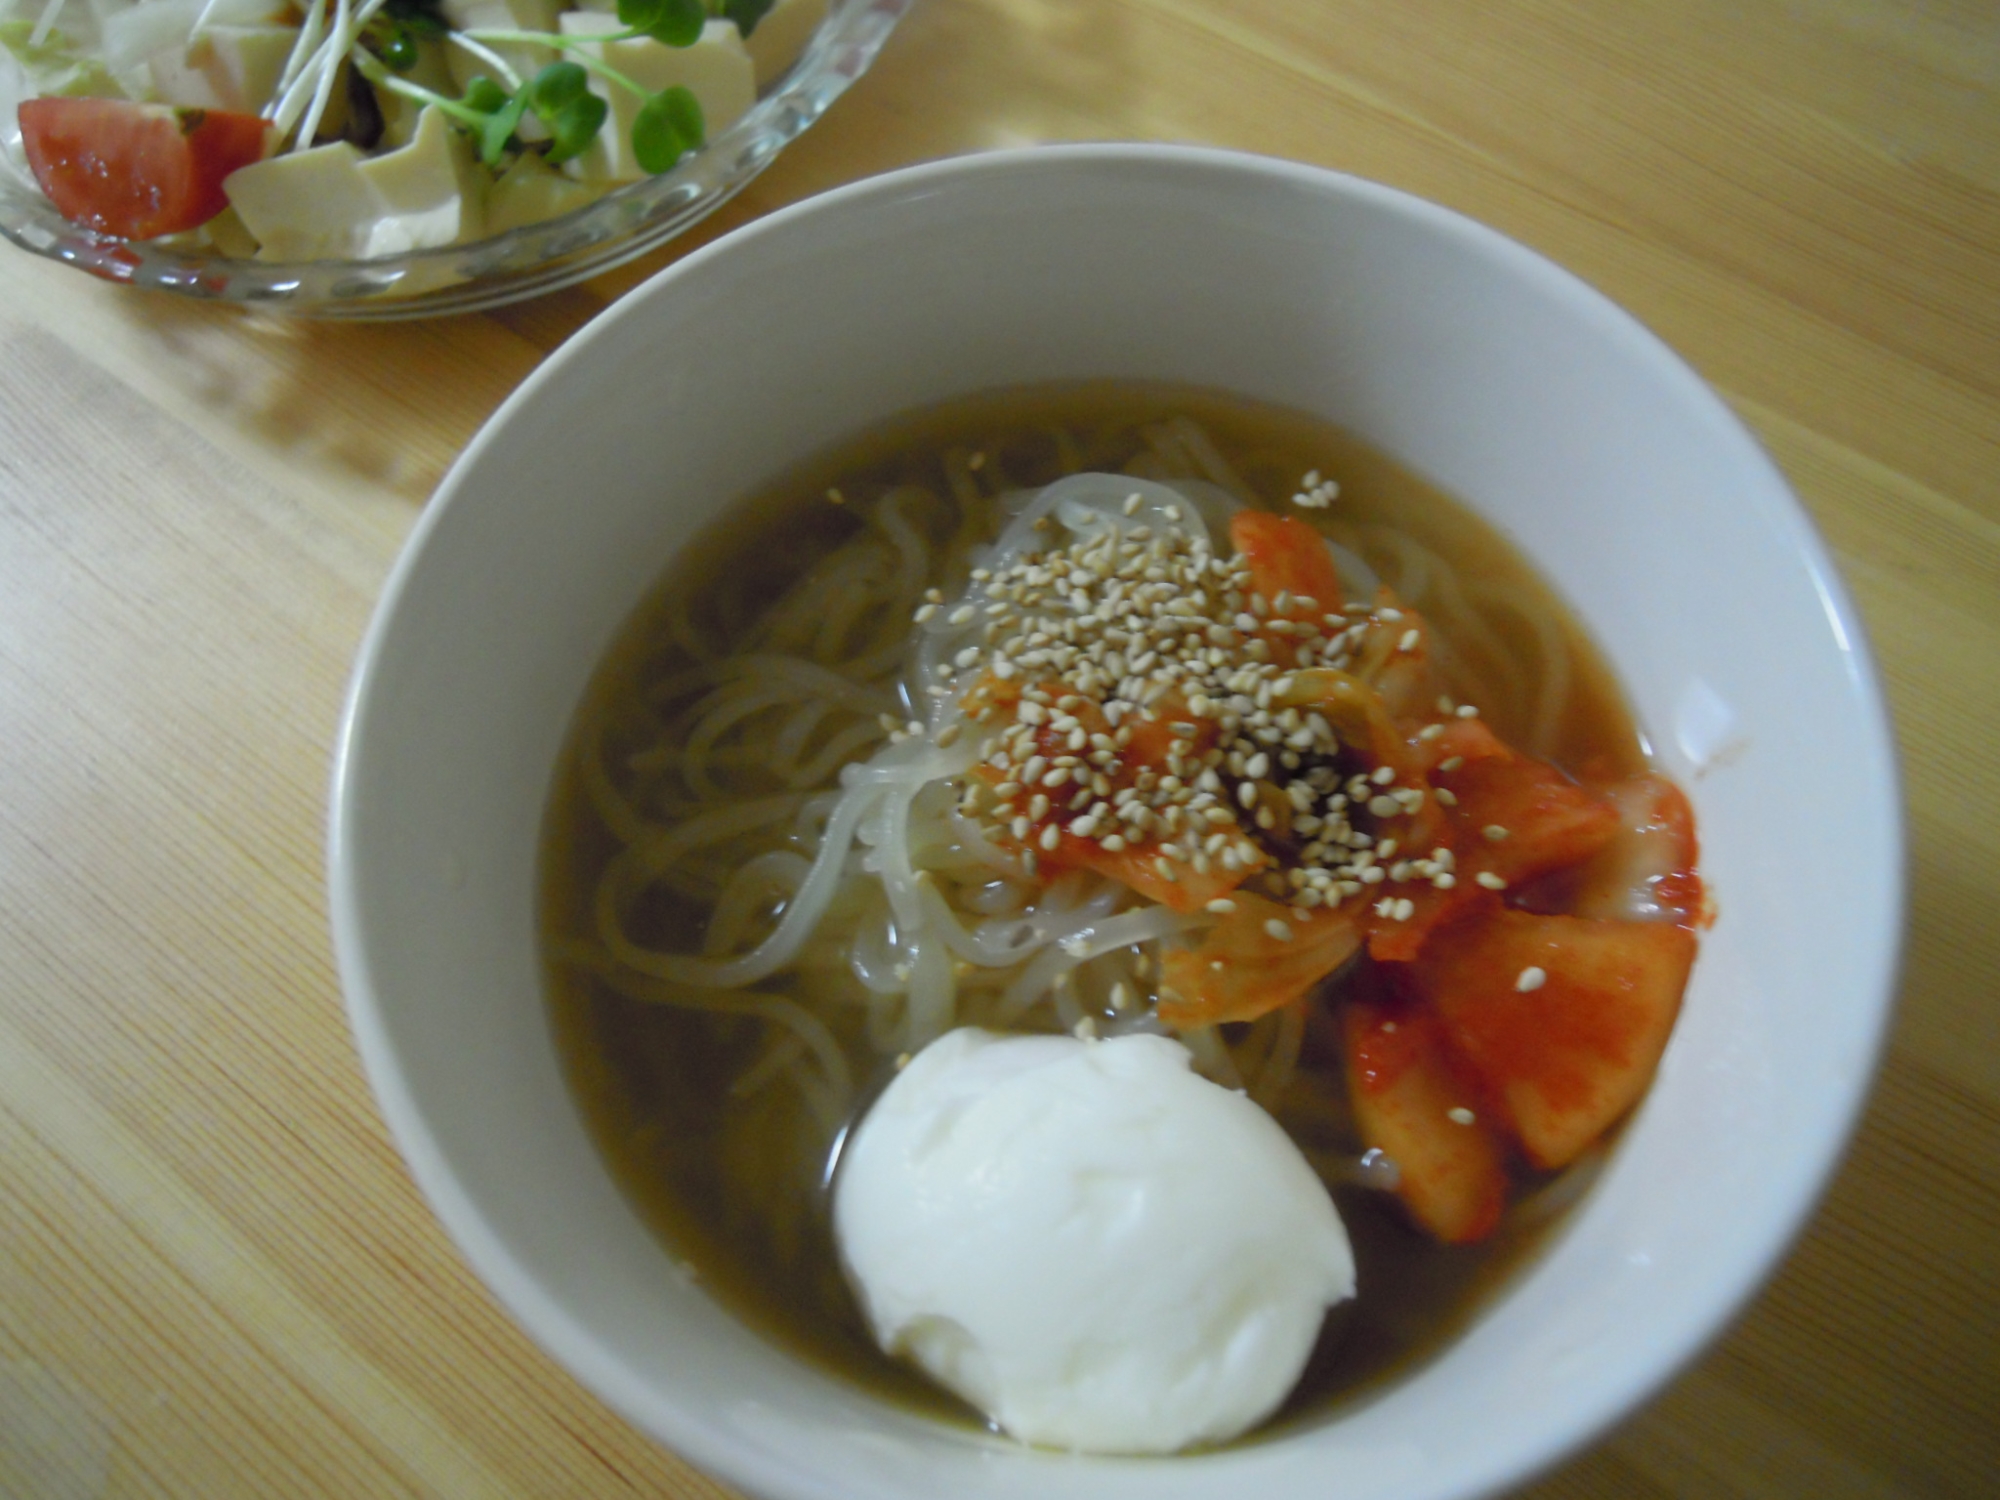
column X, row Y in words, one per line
column 136, row 170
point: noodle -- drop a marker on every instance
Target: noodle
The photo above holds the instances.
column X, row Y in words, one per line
column 768, row 832
column 826, row 652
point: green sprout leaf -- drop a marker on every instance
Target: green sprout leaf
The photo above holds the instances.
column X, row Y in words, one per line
column 500, row 129
column 573, row 127
column 667, row 127
column 557, row 85
column 485, row 96
column 677, row 23
column 561, row 95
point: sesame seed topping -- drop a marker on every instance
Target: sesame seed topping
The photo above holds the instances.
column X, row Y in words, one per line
column 1278, row 930
column 1458, row 1114
column 1531, row 978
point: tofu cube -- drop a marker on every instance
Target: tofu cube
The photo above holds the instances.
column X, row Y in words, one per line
column 332, row 203
column 226, row 67
column 432, row 190
column 308, row 205
column 531, row 191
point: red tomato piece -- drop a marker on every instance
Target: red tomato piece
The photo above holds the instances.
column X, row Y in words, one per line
column 1570, row 1053
column 136, row 170
column 1413, row 1102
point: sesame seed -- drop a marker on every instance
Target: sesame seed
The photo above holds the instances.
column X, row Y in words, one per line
column 1458, row 1114
column 1278, row 930
column 1531, row 978
column 1491, row 881
column 1494, row 833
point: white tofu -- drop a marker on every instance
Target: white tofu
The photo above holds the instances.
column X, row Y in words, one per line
column 332, row 203
column 432, row 190
column 716, row 70
column 531, row 191
column 500, row 15
column 226, row 67
column 310, row 205
column 776, row 41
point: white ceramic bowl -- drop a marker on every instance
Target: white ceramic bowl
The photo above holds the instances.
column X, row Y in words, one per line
column 1469, row 358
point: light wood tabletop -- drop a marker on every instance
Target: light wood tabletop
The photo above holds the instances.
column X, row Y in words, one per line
column 216, row 1278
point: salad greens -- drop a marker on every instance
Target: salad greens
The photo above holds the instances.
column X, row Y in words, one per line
column 668, row 125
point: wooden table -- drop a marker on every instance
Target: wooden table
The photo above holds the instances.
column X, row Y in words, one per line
column 215, row 1277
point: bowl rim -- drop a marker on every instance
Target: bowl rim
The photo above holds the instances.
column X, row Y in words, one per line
column 1710, row 1313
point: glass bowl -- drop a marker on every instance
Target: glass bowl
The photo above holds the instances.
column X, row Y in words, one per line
column 507, row 267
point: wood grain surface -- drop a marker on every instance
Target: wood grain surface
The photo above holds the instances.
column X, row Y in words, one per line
column 216, row 1279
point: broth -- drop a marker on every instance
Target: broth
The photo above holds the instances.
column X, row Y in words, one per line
column 735, row 1185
